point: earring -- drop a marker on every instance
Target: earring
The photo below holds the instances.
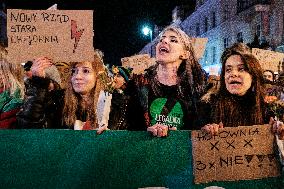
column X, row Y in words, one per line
column 181, row 57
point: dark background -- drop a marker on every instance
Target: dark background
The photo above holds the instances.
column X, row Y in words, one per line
column 117, row 23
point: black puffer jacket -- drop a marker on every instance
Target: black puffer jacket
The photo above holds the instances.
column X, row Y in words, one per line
column 41, row 108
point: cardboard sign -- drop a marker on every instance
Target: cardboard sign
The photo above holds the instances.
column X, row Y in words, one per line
column 236, row 153
column 63, row 35
column 64, row 70
column 269, row 60
column 199, row 45
column 138, row 62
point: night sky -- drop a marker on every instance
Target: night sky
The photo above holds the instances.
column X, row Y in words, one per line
column 117, row 23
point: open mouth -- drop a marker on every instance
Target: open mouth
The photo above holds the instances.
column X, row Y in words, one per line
column 164, row 50
column 235, row 82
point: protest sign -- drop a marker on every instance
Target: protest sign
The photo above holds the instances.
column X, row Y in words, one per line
column 235, row 153
column 138, row 62
column 269, row 60
column 199, row 45
column 62, row 35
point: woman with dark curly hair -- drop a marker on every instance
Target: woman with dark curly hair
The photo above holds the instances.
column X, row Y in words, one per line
column 240, row 99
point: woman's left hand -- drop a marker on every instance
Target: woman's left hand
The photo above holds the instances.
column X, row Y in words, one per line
column 277, row 127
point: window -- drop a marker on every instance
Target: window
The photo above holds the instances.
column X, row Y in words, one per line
column 205, row 24
column 240, row 37
column 226, row 12
column 258, row 30
column 205, row 57
column 197, row 30
column 226, row 42
column 214, row 55
column 213, row 20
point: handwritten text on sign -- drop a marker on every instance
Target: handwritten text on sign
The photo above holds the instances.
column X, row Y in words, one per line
column 63, row 35
column 236, row 153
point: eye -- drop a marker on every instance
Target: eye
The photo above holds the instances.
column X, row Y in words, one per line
column 86, row 71
column 228, row 70
column 242, row 69
column 174, row 40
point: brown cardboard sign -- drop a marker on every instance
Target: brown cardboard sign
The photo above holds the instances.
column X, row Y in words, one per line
column 138, row 62
column 63, row 35
column 199, row 45
column 269, row 60
column 236, row 153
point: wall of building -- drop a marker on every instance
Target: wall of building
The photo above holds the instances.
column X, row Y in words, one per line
column 232, row 24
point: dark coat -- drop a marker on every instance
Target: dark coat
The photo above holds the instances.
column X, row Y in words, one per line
column 125, row 110
column 41, row 108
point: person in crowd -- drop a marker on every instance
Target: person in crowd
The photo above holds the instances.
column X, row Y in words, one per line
column 11, row 90
column 49, row 106
column 122, row 110
column 81, row 95
column 269, row 76
column 169, row 91
column 240, row 99
column 27, row 68
column 43, row 97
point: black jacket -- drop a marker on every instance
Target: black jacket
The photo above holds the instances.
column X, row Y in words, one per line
column 41, row 108
column 125, row 111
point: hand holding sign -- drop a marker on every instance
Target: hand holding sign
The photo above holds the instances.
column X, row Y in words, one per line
column 39, row 66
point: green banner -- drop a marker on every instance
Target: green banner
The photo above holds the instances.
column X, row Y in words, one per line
column 115, row 159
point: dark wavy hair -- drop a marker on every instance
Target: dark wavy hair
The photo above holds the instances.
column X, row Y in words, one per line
column 248, row 109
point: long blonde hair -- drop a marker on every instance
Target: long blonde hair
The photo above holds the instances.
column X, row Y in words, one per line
column 11, row 75
column 72, row 99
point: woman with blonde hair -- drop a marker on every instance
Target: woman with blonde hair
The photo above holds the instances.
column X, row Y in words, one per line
column 169, row 91
column 11, row 90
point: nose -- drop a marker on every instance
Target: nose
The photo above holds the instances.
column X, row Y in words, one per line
column 234, row 73
column 78, row 75
column 165, row 40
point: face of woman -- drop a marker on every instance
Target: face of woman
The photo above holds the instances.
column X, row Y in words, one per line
column 83, row 78
column 268, row 75
column 238, row 81
column 118, row 81
column 170, row 48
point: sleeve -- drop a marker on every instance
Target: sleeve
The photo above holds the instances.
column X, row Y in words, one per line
column 32, row 113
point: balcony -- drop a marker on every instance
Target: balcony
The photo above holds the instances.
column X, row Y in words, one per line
column 246, row 4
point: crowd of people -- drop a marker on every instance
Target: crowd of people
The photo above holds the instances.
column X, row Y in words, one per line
column 174, row 94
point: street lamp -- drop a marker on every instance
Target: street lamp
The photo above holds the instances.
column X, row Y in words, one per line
column 147, row 31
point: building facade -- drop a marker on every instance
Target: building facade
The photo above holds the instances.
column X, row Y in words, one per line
column 225, row 22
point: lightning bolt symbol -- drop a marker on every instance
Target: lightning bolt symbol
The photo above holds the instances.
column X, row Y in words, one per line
column 75, row 34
